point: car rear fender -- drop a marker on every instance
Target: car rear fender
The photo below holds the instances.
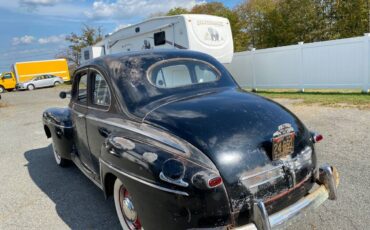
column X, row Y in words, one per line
column 139, row 168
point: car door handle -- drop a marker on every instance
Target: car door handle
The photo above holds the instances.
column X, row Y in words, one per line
column 104, row 132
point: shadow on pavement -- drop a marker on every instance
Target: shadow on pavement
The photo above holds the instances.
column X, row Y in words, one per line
column 78, row 202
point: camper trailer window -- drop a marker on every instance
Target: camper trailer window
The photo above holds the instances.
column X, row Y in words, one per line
column 159, row 38
column 86, row 55
column 171, row 74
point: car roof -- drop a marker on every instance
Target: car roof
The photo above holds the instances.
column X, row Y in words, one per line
column 165, row 53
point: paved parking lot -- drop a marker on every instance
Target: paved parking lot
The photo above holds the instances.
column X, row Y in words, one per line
column 36, row 194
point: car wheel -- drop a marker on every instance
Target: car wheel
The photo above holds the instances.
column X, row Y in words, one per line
column 62, row 162
column 125, row 208
column 30, row 87
column 2, row 90
column 57, row 83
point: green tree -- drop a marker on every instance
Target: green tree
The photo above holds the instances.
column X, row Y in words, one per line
column 299, row 21
column 259, row 19
column 271, row 23
column 177, row 11
column 89, row 36
column 352, row 18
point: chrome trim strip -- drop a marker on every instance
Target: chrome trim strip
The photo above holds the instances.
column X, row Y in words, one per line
column 259, row 173
column 60, row 126
column 179, row 182
column 143, row 181
column 139, row 131
column 265, row 181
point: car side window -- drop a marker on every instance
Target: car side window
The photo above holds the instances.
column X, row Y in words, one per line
column 173, row 76
column 204, row 73
column 177, row 73
column 7, row 76
column 100, row 93
column 82, row 89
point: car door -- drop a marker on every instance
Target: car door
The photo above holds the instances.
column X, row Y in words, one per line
column 99, row 110
column 37, row 82
column 8, row 81
column 51, row 79
column 44, row 81
column 79, row 110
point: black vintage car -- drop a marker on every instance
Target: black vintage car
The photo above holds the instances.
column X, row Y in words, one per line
column 180, row 145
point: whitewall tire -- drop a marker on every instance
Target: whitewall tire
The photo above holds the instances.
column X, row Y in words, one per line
column 62, row 162
column 125, row 209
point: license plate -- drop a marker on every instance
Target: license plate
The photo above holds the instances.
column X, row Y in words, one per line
column 283, row 142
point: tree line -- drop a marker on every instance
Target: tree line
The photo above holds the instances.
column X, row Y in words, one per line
column 273, row 23
column 264, row 23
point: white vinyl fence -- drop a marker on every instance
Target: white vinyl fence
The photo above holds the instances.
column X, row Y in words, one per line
column 340, row 64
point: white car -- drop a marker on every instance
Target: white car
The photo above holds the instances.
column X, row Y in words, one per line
column 40, row 82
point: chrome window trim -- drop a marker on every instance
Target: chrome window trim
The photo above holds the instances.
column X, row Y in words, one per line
column 110, row 93
column 76, row 99
column 143, row 181
column 75, row 102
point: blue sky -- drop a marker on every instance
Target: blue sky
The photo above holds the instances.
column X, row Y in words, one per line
column 35, row 29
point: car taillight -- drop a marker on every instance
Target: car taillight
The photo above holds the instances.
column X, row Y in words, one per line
column 317, row 138
column 206, row 180
column 214, row 182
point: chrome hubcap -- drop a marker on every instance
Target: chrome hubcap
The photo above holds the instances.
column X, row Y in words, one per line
column 128, row 210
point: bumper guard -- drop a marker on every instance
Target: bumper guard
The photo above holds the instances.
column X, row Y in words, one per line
column 328, row 181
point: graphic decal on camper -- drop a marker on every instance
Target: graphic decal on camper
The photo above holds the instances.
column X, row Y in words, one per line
column 212, row 34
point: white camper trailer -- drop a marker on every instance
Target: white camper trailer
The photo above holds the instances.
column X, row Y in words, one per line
column 204, row 33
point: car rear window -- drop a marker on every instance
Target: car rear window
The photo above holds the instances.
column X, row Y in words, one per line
column 178, row 73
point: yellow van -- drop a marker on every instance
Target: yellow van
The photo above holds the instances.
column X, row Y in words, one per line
column 7, row 82
column 26, row 71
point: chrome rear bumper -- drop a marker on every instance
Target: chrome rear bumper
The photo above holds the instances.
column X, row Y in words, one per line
column 328, row 180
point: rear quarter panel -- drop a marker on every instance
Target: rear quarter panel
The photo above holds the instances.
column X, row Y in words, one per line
column 157, row 208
